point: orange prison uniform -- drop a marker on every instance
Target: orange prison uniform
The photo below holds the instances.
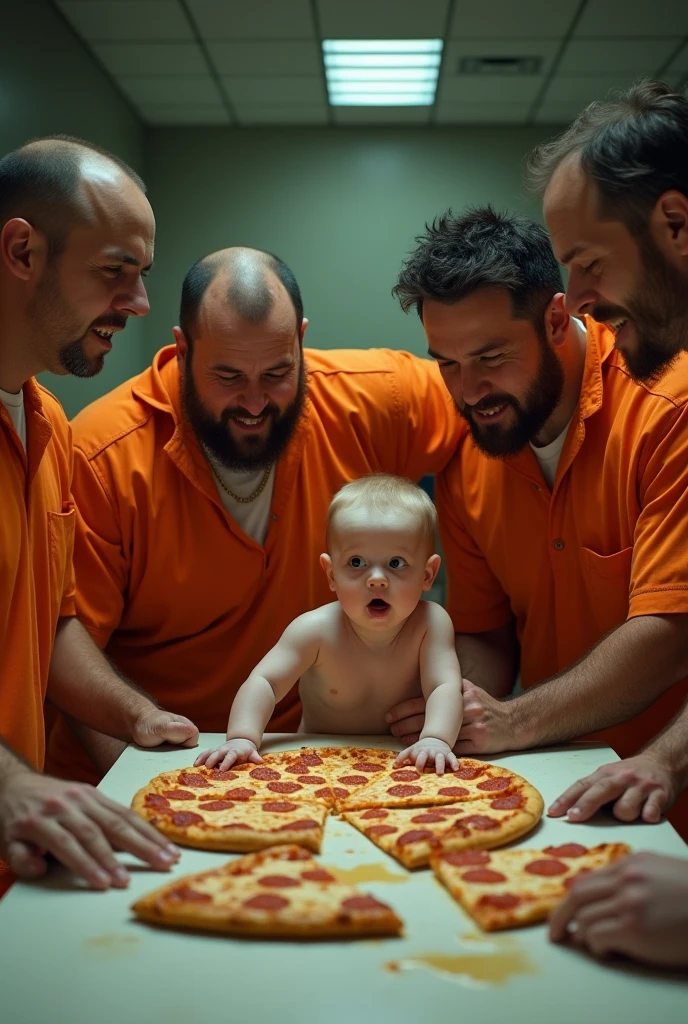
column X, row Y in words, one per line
column 36, row 572
column 608, row 543
column 182, row 600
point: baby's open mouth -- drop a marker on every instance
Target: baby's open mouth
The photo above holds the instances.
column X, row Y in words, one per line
column 377, row 607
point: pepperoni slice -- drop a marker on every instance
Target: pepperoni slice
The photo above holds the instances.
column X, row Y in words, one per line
column 217, row 776
column 416, row 835
column 157, row 801
column 278, row 881
column 353, row 780
column 508, row 803
column 453, row 791
column 367, row 766
column 425, row 819
column 339, row 792
column 480, row 822
column 279, row 806
column 567, row 850
column 326, row 793
column 404, row 790
column 375, row 812
column 461, row 858
column 297, row 768
column 546, row 867
column 494, row 785
column 405, row 775
column 178, row 794
column 264, row 774
column 284, row 787
column 190, row 779
column 190, row 895
column 311, row 759
column 505, row 901
column 318, row 875
column 299, row 826
column 362, row 903
column 483, row 875
column 240, row 793
column 311, row 780
column 184, row 818
column 465, row 771
column 380, row 830
column 266, row 901
column 217, row 805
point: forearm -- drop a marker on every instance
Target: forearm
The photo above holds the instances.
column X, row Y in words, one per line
column 615, row 680
column 251, row 710
column 11, row 764
column 103, row 750
column 83, row 684
column 490, row 659
column 671, row 746
column 443, row 713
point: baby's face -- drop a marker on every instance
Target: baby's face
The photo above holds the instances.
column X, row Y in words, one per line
column 379, row 567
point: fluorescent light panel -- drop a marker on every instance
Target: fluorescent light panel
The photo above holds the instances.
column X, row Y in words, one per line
column 382, row 72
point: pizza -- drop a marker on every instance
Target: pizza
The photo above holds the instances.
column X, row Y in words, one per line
column 507, row 888
column 412, row 834
column 278, row 893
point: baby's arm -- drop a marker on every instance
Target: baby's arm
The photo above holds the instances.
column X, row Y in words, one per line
column 441, row 683
column 295, row 652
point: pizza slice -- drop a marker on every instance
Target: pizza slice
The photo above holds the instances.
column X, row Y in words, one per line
column 279, row 893
column 411, row 835
column 508, row 888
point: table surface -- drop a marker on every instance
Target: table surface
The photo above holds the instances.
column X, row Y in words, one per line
column 71, row 956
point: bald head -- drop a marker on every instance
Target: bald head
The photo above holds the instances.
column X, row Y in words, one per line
column 51, row 183
column 251, row 282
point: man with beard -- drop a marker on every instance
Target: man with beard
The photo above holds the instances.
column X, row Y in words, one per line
column 564, row 514
column 76, row 234
column 203, row 485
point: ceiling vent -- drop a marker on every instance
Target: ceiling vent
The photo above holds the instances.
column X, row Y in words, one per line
column 499, row 65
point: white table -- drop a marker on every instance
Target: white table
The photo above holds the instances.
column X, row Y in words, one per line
column 78, row 957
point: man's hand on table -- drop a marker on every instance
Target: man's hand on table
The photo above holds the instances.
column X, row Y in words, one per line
column 637, row 906
column 40, row 815
column 155, row 726
column 486, row 727
column 642, row 786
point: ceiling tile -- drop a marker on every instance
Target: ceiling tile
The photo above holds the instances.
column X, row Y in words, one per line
column 151, row 58
column 255, row 19
column 613, row 56
column 527, row 19
column 181, row 114
column 489, row 88
column 381, row 115
column 618, row 18
column 170, row 89
column 482, row 113
column 266, row 58
column 130, row 20
column 258, row 113
column 276, row 90
column 382, row 19
column 566, row 89
column 456, row 49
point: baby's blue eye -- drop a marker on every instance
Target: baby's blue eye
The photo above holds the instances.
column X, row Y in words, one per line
column 397, row 562
column 356, row 562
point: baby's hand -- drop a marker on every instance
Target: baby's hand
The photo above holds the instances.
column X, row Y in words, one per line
column 232, row 752
column 428, row 749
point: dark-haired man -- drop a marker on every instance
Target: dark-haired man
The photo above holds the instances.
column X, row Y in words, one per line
column 76, row 234
column 203, row 485
column 564, row 514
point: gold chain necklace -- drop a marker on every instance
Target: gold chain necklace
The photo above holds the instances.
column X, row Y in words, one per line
column 237, row 497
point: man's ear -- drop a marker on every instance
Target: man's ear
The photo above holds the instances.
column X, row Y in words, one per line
column 304, row 325
column 326, row 563
column 669, row 225
column 23, row 249
column 432, row 567
column 557, row 320
column 182, row 348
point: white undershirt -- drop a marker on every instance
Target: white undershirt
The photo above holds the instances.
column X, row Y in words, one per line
column 15, row 407
column 254, row 516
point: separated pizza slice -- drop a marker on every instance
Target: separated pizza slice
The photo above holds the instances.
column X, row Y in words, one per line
column 508, row 888
column 279, row 893
column 411, row 835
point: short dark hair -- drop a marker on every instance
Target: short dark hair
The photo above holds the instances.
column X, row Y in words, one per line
column 634, row 146
column 461, row 254
column 40, row 182
column 253, row 302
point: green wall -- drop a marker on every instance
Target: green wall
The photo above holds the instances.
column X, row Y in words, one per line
column 50, row 84
column 340, row 206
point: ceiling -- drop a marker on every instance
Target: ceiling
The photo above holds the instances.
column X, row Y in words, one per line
column 258, row 62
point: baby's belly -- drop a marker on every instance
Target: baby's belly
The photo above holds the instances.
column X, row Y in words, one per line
column 360, row 713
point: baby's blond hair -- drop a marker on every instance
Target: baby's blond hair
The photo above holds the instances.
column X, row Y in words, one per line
column 379, row 493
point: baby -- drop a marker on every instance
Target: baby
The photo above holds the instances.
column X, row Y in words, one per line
column 378, row 644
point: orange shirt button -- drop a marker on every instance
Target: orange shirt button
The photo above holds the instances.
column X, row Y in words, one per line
column 558, row 544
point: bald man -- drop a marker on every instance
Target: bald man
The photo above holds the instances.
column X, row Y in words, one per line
column 202, row 488
column 76, row 235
